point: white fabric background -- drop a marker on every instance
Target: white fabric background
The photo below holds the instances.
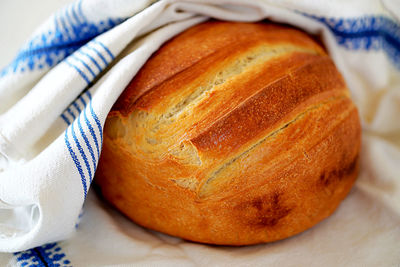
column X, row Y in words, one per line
column 364, row 231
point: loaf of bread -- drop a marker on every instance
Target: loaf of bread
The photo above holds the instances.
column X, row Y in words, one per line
column 232, row 134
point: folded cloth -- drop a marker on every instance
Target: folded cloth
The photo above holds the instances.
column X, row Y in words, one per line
column 57, row 92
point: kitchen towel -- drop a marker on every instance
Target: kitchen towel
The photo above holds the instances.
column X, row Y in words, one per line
column 57, row 92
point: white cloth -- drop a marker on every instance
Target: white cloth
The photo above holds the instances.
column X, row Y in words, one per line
column 53, row 107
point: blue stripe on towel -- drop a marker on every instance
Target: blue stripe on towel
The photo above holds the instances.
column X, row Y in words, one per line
column 65, row 119
column 46, row 255
column 80, row 10
column 105, row 48
column 71, row 22
column 71, row 113
column 86, row 142
column 69, row 12
column 81, row 151
column 83, row 75
column 98, row 53
column 83, row 111
column 90, row 127
column 84, row 64
column 65, row 28
column 73, row 155
column 91, row 58
column 366, row 33
column 73, row 10
column 76, row 161
column 60, row 37
column 95, row 116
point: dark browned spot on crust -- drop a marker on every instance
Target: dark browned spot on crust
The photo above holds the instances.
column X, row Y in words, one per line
column 328, row 177
column 265, row 211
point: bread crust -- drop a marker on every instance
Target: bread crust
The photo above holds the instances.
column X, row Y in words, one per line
column 232, row 134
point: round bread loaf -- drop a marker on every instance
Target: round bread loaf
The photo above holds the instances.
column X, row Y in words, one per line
column 233, row 134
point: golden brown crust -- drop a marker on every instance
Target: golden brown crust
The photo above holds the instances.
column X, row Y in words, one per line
column 200, row 42
column 249, row 137
column 268, row 106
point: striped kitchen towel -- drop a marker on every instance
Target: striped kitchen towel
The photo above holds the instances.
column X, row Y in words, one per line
column 57, row 92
